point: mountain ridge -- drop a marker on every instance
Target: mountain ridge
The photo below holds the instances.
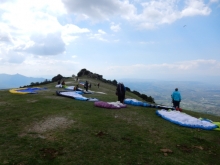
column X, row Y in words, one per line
column 16, row 80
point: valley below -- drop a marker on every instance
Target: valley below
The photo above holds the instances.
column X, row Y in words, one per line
column 196, row 96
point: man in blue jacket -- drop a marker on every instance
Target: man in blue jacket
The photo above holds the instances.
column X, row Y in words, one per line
column 176, row 97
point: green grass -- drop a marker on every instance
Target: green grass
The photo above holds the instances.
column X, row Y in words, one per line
column 97, row 136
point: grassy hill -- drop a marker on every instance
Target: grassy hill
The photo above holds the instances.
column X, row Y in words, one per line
column 47, row 129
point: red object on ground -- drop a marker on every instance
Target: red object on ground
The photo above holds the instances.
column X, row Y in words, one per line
column 179, row 109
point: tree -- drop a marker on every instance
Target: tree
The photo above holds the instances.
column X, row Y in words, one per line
column 127, row 89
column 137, row 93
column 57, row 78
column 114, row 82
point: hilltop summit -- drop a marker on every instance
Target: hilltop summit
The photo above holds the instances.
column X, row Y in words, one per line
column 85, row 72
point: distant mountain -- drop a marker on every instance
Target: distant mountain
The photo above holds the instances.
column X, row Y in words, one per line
column 17, row 80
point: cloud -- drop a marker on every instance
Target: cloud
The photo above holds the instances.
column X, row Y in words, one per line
column 146, row 25
column 3, row 1
column 73, row 29
column 195, row 7
column 98, row 36
column 42, row 66
column 70, row 32
column 41, row 30
column 98, row 10
column 115, row 28
column 28, row 17
column 214, row 1
column 8, row 56
column 16, row 58
column 101, row 31
column 147, row 43
column 147, row 15
column 33, row 27
column 160, row 12
column 50, row 44
column 195, row 68
column 5, row 37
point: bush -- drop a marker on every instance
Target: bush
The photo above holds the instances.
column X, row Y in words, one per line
column 127, row 89
column 137, row 93
column 114, row 82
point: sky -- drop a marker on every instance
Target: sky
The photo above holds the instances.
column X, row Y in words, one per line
column 137, row 39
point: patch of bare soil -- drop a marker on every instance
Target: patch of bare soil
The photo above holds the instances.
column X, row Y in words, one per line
column 184, row 148
column 101, row 93
column 132, row 117
column 193, row 148
column 101, row 134
column 166, row 151
column 68, row 82
column 50, row 124
column 42, row 128
column 50, row 153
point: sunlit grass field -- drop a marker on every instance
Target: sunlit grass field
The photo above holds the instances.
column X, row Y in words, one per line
column 47, row 129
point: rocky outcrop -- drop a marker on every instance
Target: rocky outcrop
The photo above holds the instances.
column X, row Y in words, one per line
column 85, row 72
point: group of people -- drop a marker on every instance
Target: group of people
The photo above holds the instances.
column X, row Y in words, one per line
column 62, row 83
column 87, row 85
column 120, row 92
column 176, row 96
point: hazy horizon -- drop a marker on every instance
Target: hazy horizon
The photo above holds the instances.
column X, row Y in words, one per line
column 207, row 81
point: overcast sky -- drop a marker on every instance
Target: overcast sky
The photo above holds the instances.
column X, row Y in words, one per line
column 143, row 39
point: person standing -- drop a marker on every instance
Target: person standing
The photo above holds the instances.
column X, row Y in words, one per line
column 98, row 85
column 176, row 98
column 86, row 85
column 120, row 92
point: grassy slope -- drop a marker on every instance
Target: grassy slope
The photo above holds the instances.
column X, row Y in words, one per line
column 133, row 135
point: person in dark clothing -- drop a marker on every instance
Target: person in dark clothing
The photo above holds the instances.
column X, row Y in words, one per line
column 63, row 82
column 120, row 92
column 98, row 85
column 86, row 85
column 76, row 88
